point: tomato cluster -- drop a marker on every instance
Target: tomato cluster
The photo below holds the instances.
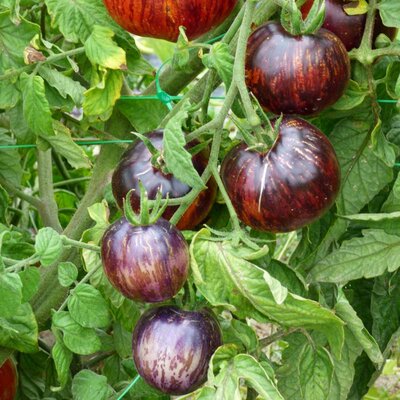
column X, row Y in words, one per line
column 150, row 263
column 8, row 380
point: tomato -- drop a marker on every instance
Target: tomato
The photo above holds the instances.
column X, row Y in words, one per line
column 136, row 166
column 349, row 28
column 172, row 348
column 8, row 380
column 296, row 74
column 145, row 263
column 287, row 187
column 162, row 18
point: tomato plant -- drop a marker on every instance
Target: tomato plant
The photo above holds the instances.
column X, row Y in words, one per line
column 8, row 380
column 163, row 19
column 244, row 178
column 179, row 363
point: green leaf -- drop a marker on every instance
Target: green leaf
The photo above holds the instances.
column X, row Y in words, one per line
column 354, row 323
column 369, row 256
column 48, row 246
column 102, row 50
column 76, row 19
column 88, row 307
column 62, row 360
column 11, row 294
column 64, row 145
column 220, row 59
column 390, row 12
column 240, row 334
column 177, row 158
column 392, row 203
column 65, row 85
column 100, row 99
column 76, row 338
column 353, row 97
column 226, row 280
column 13, row 41
column 67, row 273
column 87, row 385
column 10, row 167
column 99, row 213
column 20, row 331
column 30, row 278
column 4, row 203
column 35, row 105
column 385, row 307
column 389, row 222
column 9, row 95
column 385, row 150
column 233, row 368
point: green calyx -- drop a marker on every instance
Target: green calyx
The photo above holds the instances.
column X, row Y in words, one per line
column 292, row 20
column 148, row 214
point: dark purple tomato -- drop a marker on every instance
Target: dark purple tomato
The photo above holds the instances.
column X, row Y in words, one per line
column 296, row 74
column 349, row 28
column 8, row 380
column 287, row 187
column 135, row 166
column 145, row 263
column 162, row 18
column 172, row 348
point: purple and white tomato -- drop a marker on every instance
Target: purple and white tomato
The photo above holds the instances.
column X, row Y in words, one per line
column 145, row 263
column 172, row 348
column 287, row 187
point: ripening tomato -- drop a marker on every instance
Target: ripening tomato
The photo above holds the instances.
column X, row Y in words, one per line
column 147, row 263
column 287, row 187
column 8, row 380
column 349, row 28
column 135, row 166
column 172, row 348
column 296, row 74
column 162, row 18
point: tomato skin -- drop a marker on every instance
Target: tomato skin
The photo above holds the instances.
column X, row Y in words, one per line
column 288, row 187
column 136, row 165
column 296, row 74
column 349, row 28
column 8, row 380
column 172, row 348
column 161, row 18
column 145, row 263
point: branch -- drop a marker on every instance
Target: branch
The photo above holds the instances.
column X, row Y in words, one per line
column 35, row 202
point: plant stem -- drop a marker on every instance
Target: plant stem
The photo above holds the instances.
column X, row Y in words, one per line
column 49, row 60
column 276, row 336
column 288, row 242
column 49, row 209
column 23, row 263
column 80, row 245
column 71, row 181
column 35, row 202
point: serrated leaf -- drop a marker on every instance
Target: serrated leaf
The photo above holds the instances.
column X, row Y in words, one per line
column 87, row 385
column 11, row 294
column 13, row 40
column 100, row 99
column 240, row 286
column 76, row 338
column 62, row 360
column 65, row 85
column 10, row 167
column 102, row 50
column 88, row 307
column 220, row 59
column 389, row 222
column 35, row 105
column 390, row 12
column 352, row 97
column 63, row 143
column 177, row 158
column 385, row 150
column 10, row 95
column 369, row 256
column 30, row 278
column 67, row 273
column 20, row 331
column 356, row 326
column 48, row 246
